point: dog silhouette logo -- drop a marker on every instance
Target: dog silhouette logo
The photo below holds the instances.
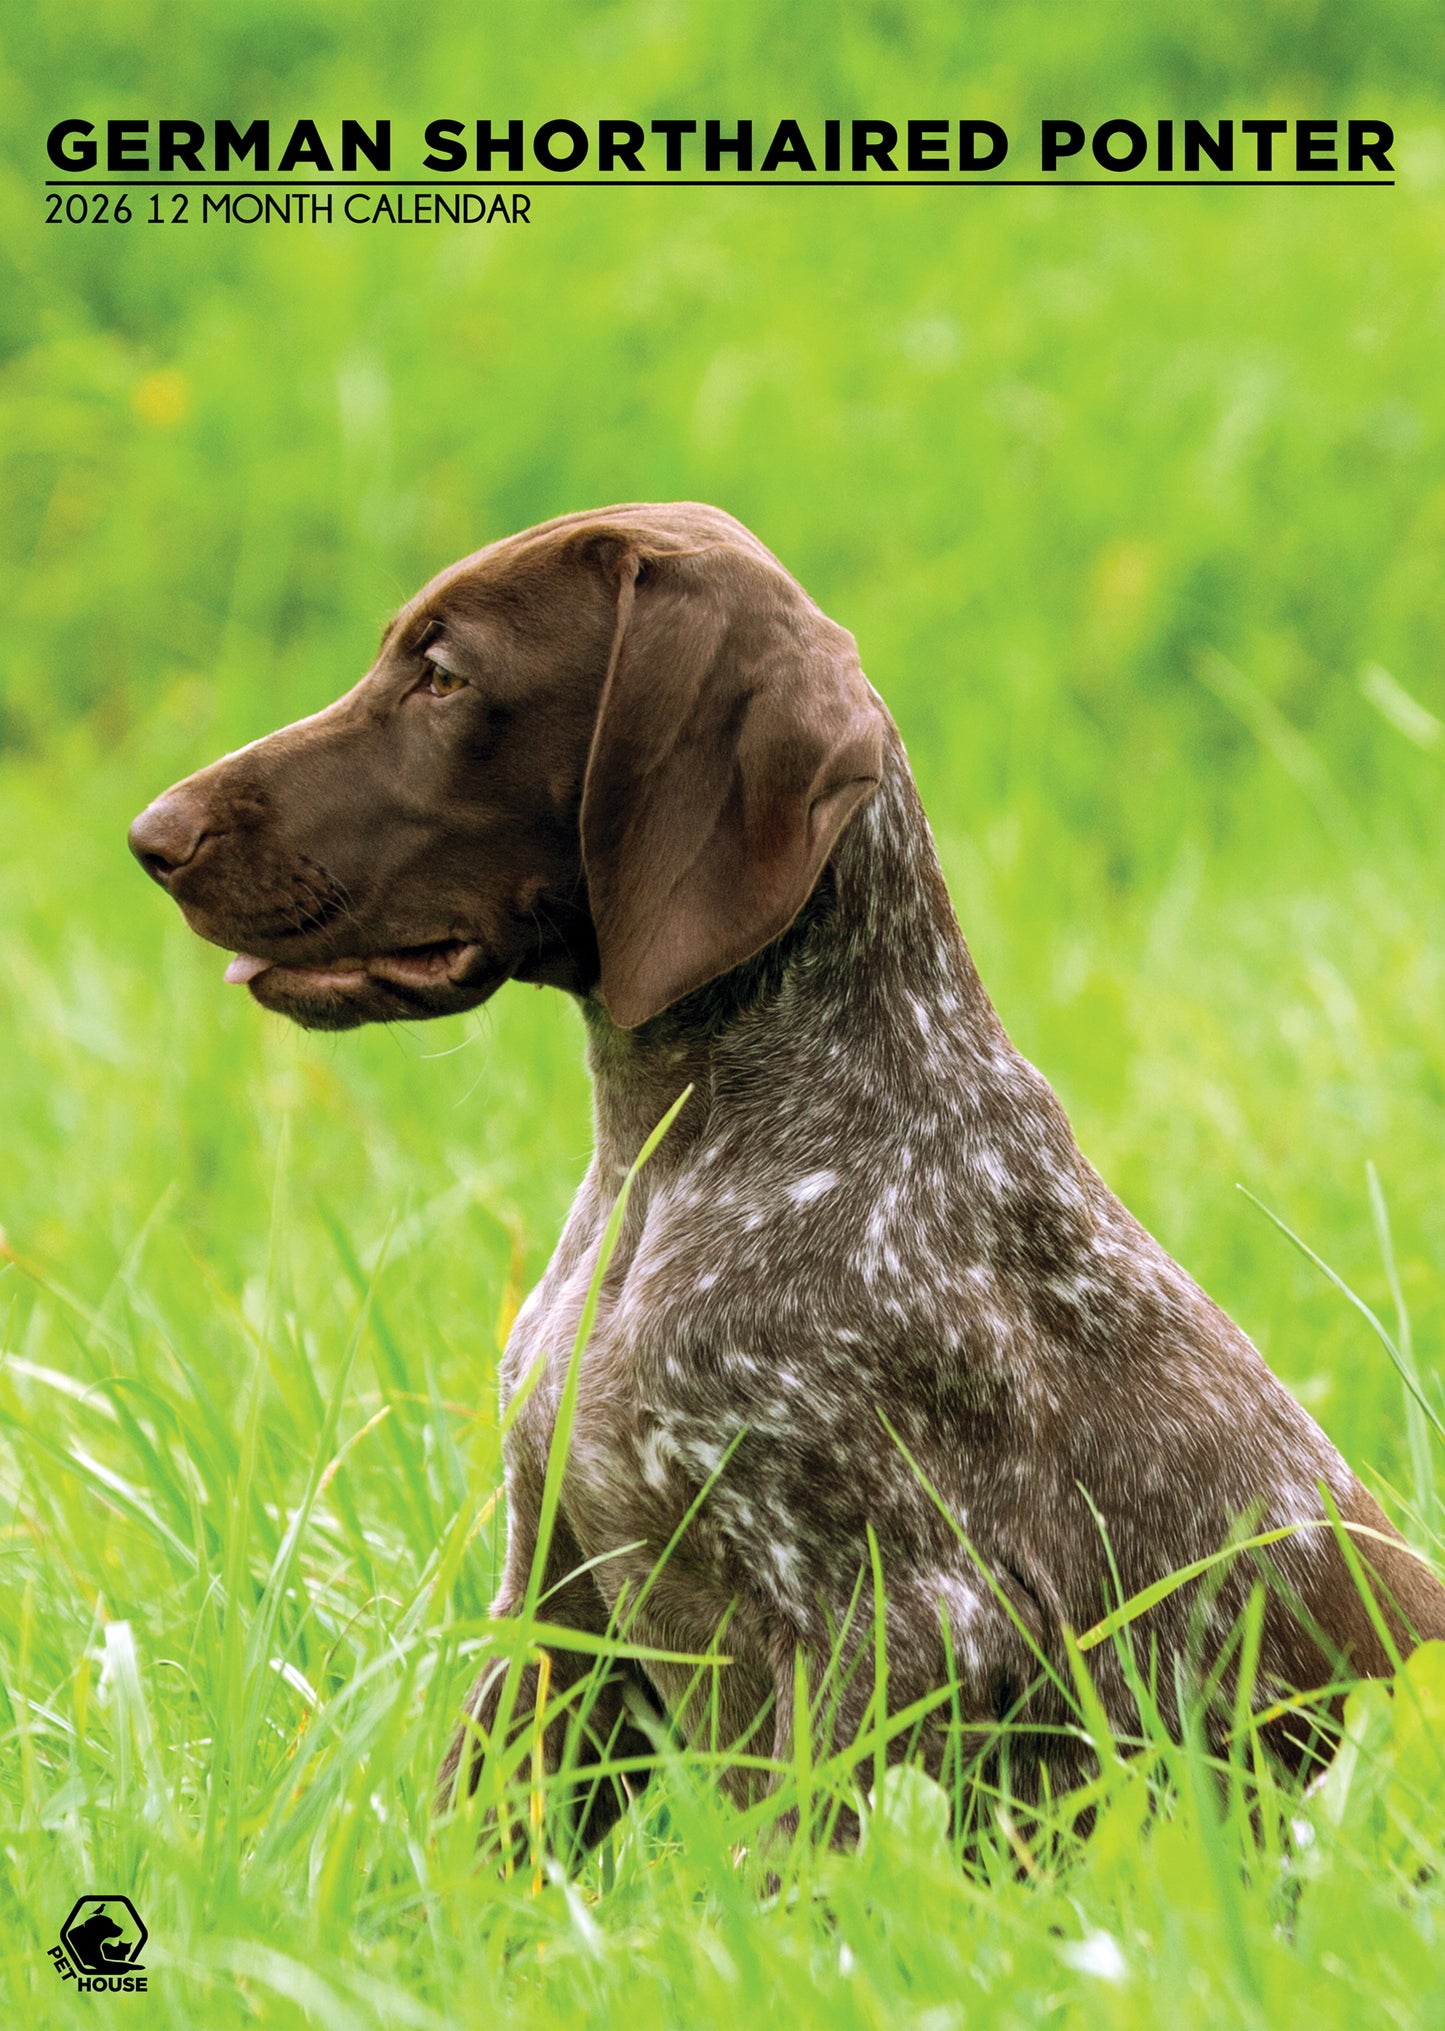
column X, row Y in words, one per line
column 100, row 1944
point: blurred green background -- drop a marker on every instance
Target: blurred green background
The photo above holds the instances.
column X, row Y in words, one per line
column 1133, row 498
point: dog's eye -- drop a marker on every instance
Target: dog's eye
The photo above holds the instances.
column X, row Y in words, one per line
column 441, row 682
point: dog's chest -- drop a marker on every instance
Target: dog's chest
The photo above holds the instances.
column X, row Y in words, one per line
column 628, row 1482
column 727, row 1397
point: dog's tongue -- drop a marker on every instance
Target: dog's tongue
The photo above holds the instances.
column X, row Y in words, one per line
column 243, row 968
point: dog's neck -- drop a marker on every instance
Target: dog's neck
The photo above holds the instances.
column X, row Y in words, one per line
column 870, row 991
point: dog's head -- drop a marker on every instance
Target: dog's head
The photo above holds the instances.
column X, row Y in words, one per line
column 612, row 753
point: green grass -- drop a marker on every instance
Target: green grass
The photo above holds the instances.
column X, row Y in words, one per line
column 1129, row 499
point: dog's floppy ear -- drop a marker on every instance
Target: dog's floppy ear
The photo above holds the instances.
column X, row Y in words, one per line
column 736, row 737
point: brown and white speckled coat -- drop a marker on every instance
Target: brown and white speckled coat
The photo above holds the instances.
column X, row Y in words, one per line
column 873, row 1208
column 870, row 1213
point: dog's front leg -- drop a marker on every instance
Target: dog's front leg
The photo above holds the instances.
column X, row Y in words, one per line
column 594, row 1713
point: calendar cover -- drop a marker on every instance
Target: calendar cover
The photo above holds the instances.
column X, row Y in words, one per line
column 694, row 442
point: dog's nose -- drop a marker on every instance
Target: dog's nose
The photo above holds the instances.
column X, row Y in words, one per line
column 166, row 835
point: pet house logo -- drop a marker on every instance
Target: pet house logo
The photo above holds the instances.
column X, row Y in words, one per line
column 100, row 1945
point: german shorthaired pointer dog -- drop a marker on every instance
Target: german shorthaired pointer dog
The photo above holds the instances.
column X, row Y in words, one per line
column 869, row 1300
